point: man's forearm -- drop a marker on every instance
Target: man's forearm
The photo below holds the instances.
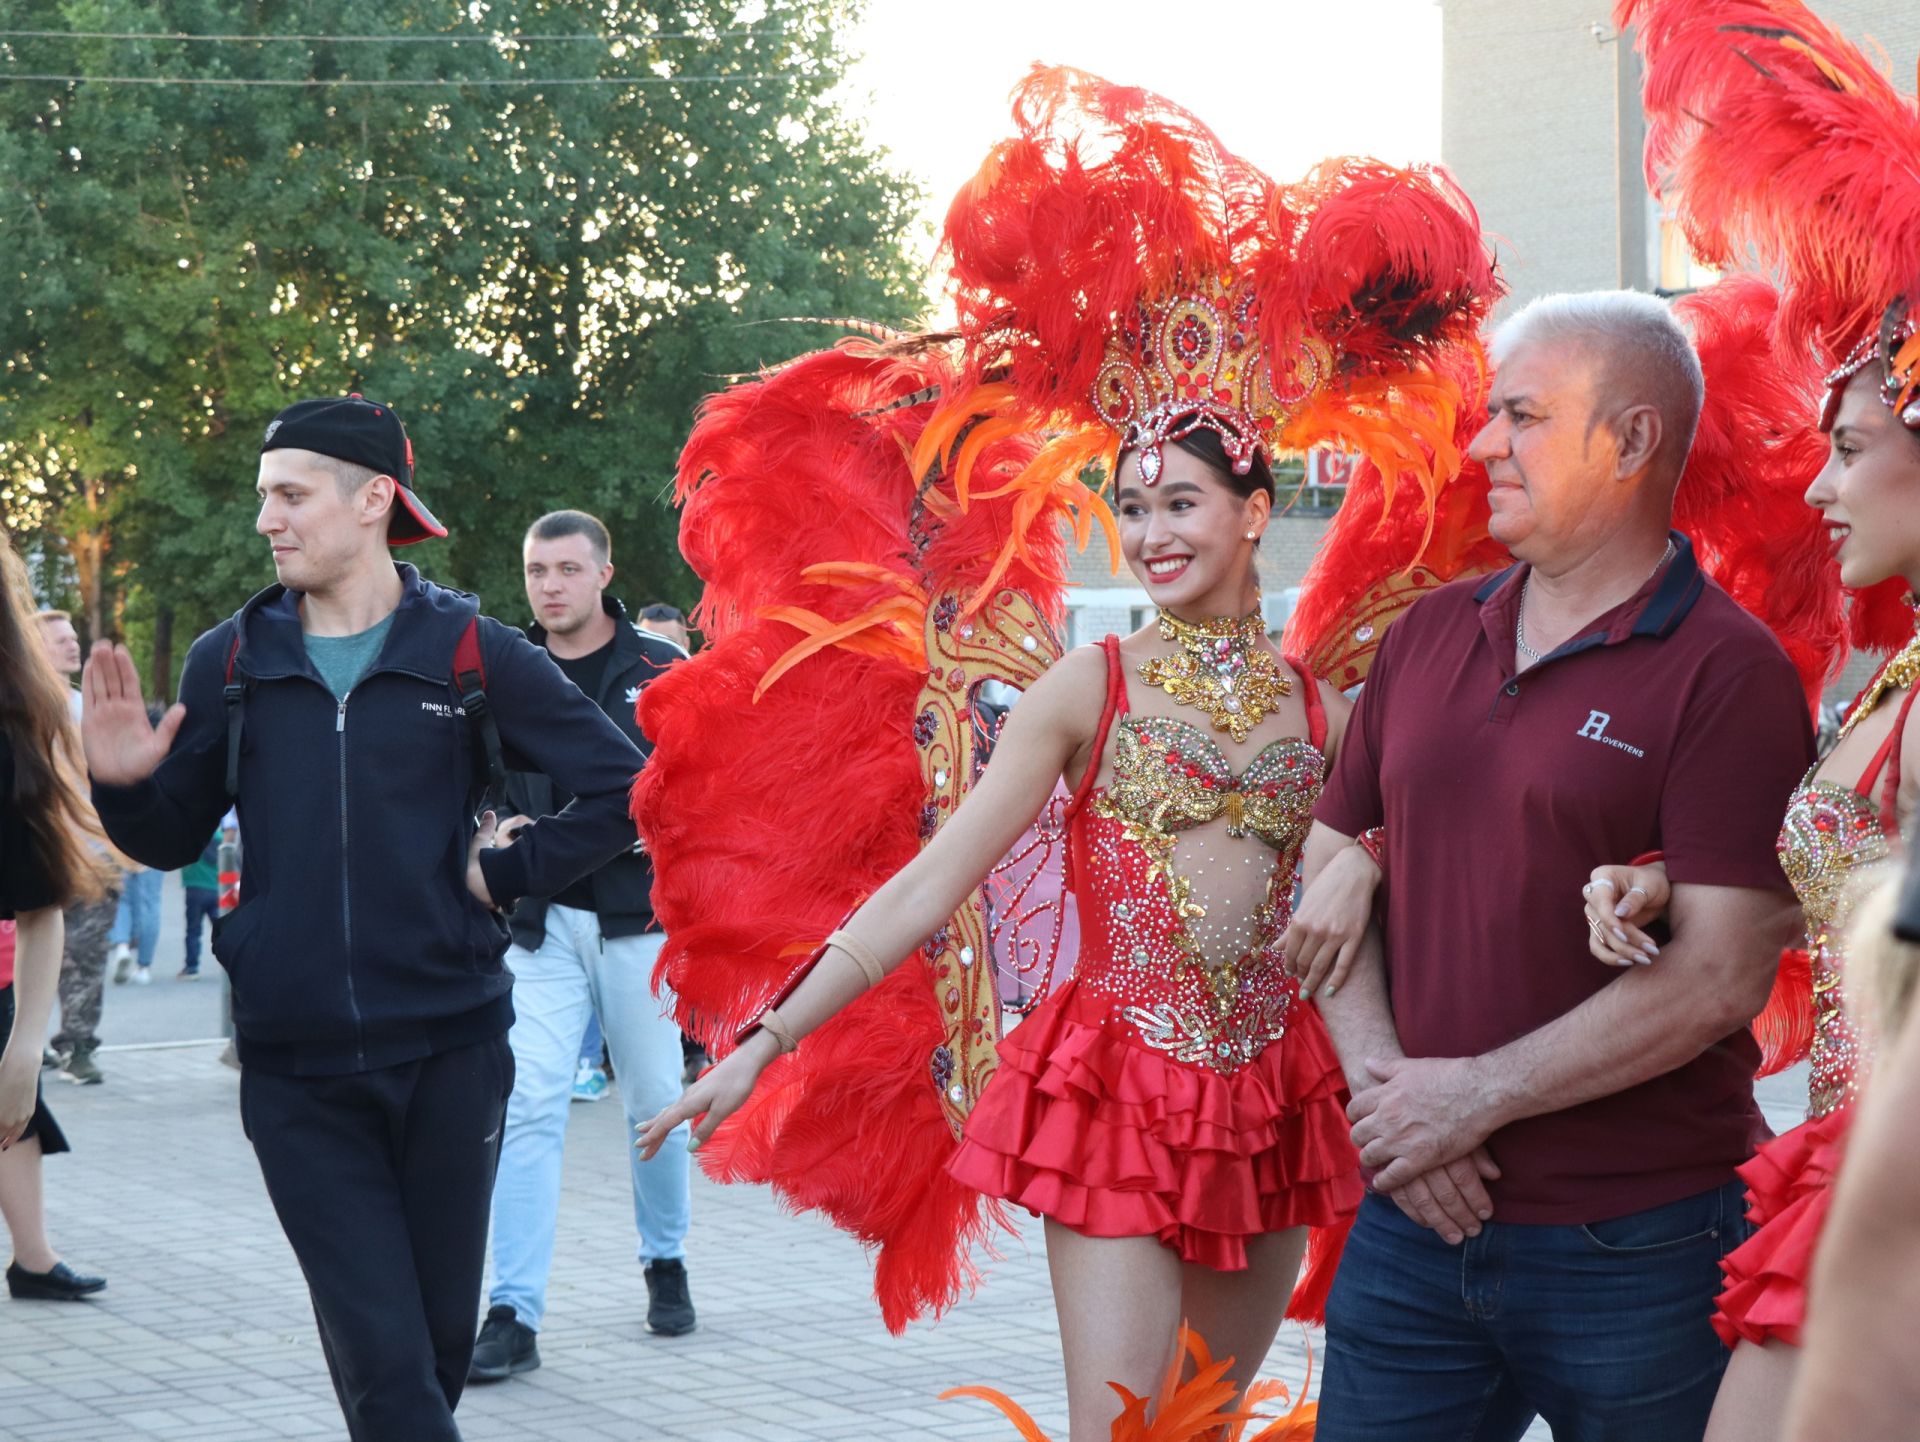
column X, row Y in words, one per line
column 1360, row 1017
column 1645, row 1023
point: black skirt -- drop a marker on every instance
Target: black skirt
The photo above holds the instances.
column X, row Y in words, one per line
column 43, row 1126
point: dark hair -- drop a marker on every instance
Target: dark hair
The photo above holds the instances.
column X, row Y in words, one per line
column 1204, row 444
column 557, row 524
column 661, row 611
column 46, row 751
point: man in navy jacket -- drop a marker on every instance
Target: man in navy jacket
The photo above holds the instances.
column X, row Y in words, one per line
column 369, row 998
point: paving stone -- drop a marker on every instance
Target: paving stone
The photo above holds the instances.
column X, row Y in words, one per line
column 206, row 1330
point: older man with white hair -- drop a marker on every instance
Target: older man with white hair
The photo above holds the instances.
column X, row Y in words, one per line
column 1551, row 1145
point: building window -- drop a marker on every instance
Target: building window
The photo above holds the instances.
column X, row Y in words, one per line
column 1679, row 271
column 1140, row 615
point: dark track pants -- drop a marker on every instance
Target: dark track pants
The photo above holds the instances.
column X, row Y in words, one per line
column 382, row 1181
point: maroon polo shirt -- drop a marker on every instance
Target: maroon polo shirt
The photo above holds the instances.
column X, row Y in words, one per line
column 1674, row 723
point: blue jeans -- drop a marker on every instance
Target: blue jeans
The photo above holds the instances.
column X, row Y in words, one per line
column 1602, row 1329
column 576, row 973
column 138, row 919
column 203, row 905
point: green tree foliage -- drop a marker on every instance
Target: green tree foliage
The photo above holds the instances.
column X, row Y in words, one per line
column 542, row 279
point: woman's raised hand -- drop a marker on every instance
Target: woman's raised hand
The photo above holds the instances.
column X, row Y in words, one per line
column 1620, row 900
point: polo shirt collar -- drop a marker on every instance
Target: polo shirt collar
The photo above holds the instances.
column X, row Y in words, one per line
column 1655, row 610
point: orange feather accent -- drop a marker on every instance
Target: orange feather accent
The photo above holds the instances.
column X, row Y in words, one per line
column 890, row 631
column 1195, row 1402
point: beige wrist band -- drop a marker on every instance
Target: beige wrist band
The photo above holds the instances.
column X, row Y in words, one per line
column 775, row 1026
column 862, row 954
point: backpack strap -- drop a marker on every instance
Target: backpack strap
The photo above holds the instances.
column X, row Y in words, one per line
column 470, row 681
column 235, row 693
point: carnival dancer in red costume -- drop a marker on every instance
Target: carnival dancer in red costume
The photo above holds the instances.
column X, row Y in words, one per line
column 1780, row 141
column 1153, row 305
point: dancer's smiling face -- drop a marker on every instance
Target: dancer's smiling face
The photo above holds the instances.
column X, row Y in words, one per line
column 1185, row 537
column 1868, row 493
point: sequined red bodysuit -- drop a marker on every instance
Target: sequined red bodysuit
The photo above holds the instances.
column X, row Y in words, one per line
column 1176, row 1085
column 1832, row 833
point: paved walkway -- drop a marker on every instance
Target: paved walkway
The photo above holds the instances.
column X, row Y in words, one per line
column 205, row 1332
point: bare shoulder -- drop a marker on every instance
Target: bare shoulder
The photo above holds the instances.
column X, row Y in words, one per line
column 1073, row 692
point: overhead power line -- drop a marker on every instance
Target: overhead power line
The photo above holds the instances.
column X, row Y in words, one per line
column 348, row 84
column 601, row 38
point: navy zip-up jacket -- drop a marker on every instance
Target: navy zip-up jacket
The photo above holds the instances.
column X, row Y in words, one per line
column 356, row 943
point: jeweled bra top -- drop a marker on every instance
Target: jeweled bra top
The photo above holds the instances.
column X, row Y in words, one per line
column 1184, row 872
column 1831, row 834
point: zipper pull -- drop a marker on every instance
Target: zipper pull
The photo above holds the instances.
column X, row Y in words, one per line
column 340, row 716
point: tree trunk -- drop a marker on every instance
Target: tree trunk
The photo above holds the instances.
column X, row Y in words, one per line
column 162, row 688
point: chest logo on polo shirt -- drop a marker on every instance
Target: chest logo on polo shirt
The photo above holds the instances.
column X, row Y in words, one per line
column 1595, row 729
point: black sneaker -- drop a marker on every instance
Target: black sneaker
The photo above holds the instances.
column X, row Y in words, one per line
column 59, row 1283
column 505, row 1346
column 669, row 1307
column 79, row 1069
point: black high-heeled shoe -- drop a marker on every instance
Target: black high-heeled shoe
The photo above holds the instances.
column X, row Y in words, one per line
column 59, row 1283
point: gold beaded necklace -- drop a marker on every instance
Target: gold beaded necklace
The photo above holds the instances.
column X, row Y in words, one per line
column 1223, row 668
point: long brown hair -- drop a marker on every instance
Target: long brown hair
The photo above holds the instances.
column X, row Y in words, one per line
column 34, row 717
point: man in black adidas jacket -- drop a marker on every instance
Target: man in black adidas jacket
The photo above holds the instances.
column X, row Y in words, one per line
column 365, row 956
column 589, row 951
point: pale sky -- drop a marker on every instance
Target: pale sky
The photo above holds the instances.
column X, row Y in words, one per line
column 1283, row 82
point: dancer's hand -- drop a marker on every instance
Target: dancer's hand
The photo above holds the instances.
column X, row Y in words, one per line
column 1619, row 901
column 19, row 1078
column 715, row 1095
column 1451, row 1199
column 123, row 747
column 1325, row 932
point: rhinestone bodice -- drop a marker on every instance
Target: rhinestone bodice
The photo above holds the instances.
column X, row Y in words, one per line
column 1831, row 834
column 1185, row 875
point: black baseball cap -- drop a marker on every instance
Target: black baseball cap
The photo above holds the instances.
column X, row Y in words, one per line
column 353, row 428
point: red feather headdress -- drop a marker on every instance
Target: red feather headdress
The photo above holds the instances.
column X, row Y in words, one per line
column 1122, row 279
column 1781, row 144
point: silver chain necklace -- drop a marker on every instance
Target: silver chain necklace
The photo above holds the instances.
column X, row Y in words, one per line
column 1526, row 589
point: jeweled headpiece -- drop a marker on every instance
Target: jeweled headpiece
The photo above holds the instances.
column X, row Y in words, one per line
column 1196, row 361
column 1122, row 279
column 1894, row 346
column 1783, row 148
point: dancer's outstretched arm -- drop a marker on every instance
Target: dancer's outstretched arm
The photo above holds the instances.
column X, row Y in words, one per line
column 1045, row 735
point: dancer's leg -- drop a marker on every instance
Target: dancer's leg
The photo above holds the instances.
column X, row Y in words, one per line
column 1118, row 1300
column 1237, row 1314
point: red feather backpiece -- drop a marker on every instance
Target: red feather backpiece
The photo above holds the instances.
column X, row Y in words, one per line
column 789, row 775
column 1780, row 144
column 1742, row 499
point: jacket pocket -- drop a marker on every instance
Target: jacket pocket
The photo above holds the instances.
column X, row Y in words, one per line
column 232, row 931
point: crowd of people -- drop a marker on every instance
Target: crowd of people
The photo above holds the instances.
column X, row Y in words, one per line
column 1424, row 962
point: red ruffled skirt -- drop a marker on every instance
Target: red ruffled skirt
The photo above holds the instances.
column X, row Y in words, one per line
column 1788, row 1186
column 1087, row 1125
